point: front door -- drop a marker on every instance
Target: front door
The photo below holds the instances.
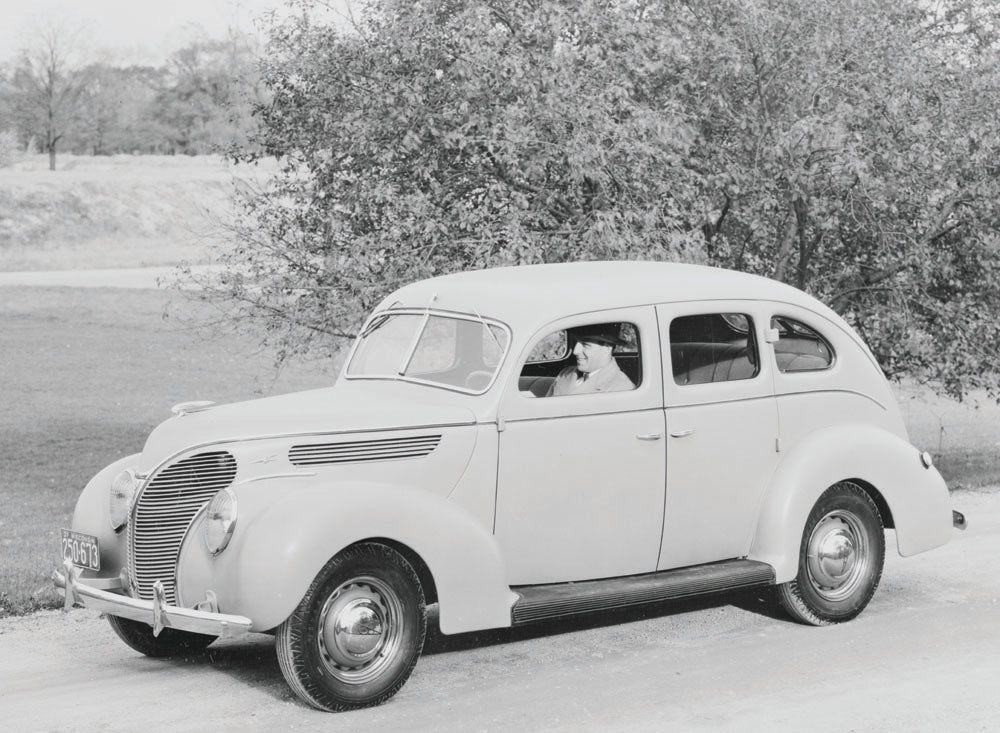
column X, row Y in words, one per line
column 581, row 476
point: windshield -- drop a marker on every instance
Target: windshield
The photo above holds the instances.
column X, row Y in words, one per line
column 460, row 352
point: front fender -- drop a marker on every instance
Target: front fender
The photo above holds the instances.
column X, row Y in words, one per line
column 286, row 533
column 916, row 496
column 90, row 516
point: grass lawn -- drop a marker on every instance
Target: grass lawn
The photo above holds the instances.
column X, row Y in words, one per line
column 963, row 437
column 86, row 374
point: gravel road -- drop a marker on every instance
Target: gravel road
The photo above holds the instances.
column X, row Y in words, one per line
column 925, row 656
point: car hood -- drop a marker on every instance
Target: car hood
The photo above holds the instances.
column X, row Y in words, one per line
column 364, row 408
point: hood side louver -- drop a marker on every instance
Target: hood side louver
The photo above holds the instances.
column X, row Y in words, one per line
column 363, row 450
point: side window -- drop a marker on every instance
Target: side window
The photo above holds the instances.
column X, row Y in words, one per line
column 713, row 347
column 800, row 348
column 553, row 347
column 599, row 357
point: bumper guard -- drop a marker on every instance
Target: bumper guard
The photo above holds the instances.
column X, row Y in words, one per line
column 156, row 613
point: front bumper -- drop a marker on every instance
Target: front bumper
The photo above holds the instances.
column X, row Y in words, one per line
column 156, row 613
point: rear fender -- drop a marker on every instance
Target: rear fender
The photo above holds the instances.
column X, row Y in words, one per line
column 916, row 495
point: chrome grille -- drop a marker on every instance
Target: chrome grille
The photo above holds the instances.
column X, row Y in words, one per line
column 363, row 450
column 164, row 511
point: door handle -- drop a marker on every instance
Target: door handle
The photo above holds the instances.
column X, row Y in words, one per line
column 649, row 436
column 682, row 433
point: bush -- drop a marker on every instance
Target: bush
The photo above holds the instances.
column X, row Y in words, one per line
column 9, row 152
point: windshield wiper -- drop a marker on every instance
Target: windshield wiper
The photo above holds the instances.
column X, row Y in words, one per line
column 375, row 325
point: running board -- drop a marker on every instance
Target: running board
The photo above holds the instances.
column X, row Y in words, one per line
column 540, row 602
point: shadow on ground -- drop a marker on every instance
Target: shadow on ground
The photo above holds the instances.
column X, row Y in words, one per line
column 253, row 661
column 760, row 601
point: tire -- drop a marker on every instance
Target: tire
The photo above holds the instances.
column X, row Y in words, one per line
column 170, row 642
column 840, row 558
column 372, row 590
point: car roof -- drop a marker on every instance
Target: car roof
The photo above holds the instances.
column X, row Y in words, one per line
column 536, row 294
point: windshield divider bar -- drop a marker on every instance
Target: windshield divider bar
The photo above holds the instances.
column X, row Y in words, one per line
column 416, row 338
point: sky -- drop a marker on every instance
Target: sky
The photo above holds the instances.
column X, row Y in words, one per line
column 131, row 31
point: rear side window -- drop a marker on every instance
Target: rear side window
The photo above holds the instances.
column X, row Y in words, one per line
column 800, row 348
column 713, row 347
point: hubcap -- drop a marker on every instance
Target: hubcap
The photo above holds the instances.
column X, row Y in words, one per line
column 837, row 555
column 359, row 629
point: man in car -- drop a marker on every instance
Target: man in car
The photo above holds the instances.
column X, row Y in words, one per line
column 596, row 369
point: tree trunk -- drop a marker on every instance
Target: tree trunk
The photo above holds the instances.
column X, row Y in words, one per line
column 52, row 157
column 786, row 243
column 806, row 247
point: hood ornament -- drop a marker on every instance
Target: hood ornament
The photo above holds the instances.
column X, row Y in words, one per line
column 184, row 408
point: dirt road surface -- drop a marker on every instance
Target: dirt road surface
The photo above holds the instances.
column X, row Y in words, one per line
column 925, row 656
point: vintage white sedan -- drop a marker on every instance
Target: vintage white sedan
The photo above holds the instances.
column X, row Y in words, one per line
column 515, row 445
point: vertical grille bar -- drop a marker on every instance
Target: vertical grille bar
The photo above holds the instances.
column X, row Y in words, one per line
column 164, row 511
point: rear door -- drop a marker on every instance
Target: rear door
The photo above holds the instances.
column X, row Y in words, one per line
column 722, row 428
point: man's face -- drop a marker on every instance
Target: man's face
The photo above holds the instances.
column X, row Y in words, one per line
column 591, row 356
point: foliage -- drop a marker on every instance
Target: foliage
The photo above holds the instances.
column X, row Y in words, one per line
column 855, row 146
column 116, row 111
column 846, row 147
column 8, row 147
column 204, row 103
column 445, row 136
column 199, row 102
column 48, row 81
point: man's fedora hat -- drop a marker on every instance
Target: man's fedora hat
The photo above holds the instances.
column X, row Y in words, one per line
column 608, row 334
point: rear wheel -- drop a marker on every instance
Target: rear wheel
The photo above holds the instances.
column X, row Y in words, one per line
column 169, row 643
column 356, row 636
column 840, row 558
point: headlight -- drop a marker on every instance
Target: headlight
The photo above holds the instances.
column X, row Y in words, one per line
column 220, row 521
column 120, row 498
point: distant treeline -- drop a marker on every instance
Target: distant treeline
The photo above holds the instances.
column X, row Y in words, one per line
column 199, row 101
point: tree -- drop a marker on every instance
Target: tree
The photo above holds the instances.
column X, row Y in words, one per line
column 855, row 147
column 49, row 82
column 846, row 147
column 447, row 136
column 204, row 103
column 117, row 111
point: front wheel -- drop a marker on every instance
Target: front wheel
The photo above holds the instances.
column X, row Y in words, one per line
column 840, row 558
column 169, row 643
column 356, row 636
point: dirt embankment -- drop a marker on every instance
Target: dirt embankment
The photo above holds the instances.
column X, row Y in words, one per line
column 115, row 211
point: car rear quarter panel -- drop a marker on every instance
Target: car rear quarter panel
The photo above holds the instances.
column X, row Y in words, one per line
column 916, row 496
column 838, row 424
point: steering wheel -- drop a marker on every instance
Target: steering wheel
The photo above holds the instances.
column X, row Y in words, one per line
column 478, row 379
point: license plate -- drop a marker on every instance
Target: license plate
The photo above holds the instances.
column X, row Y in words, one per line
column 81, row 549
